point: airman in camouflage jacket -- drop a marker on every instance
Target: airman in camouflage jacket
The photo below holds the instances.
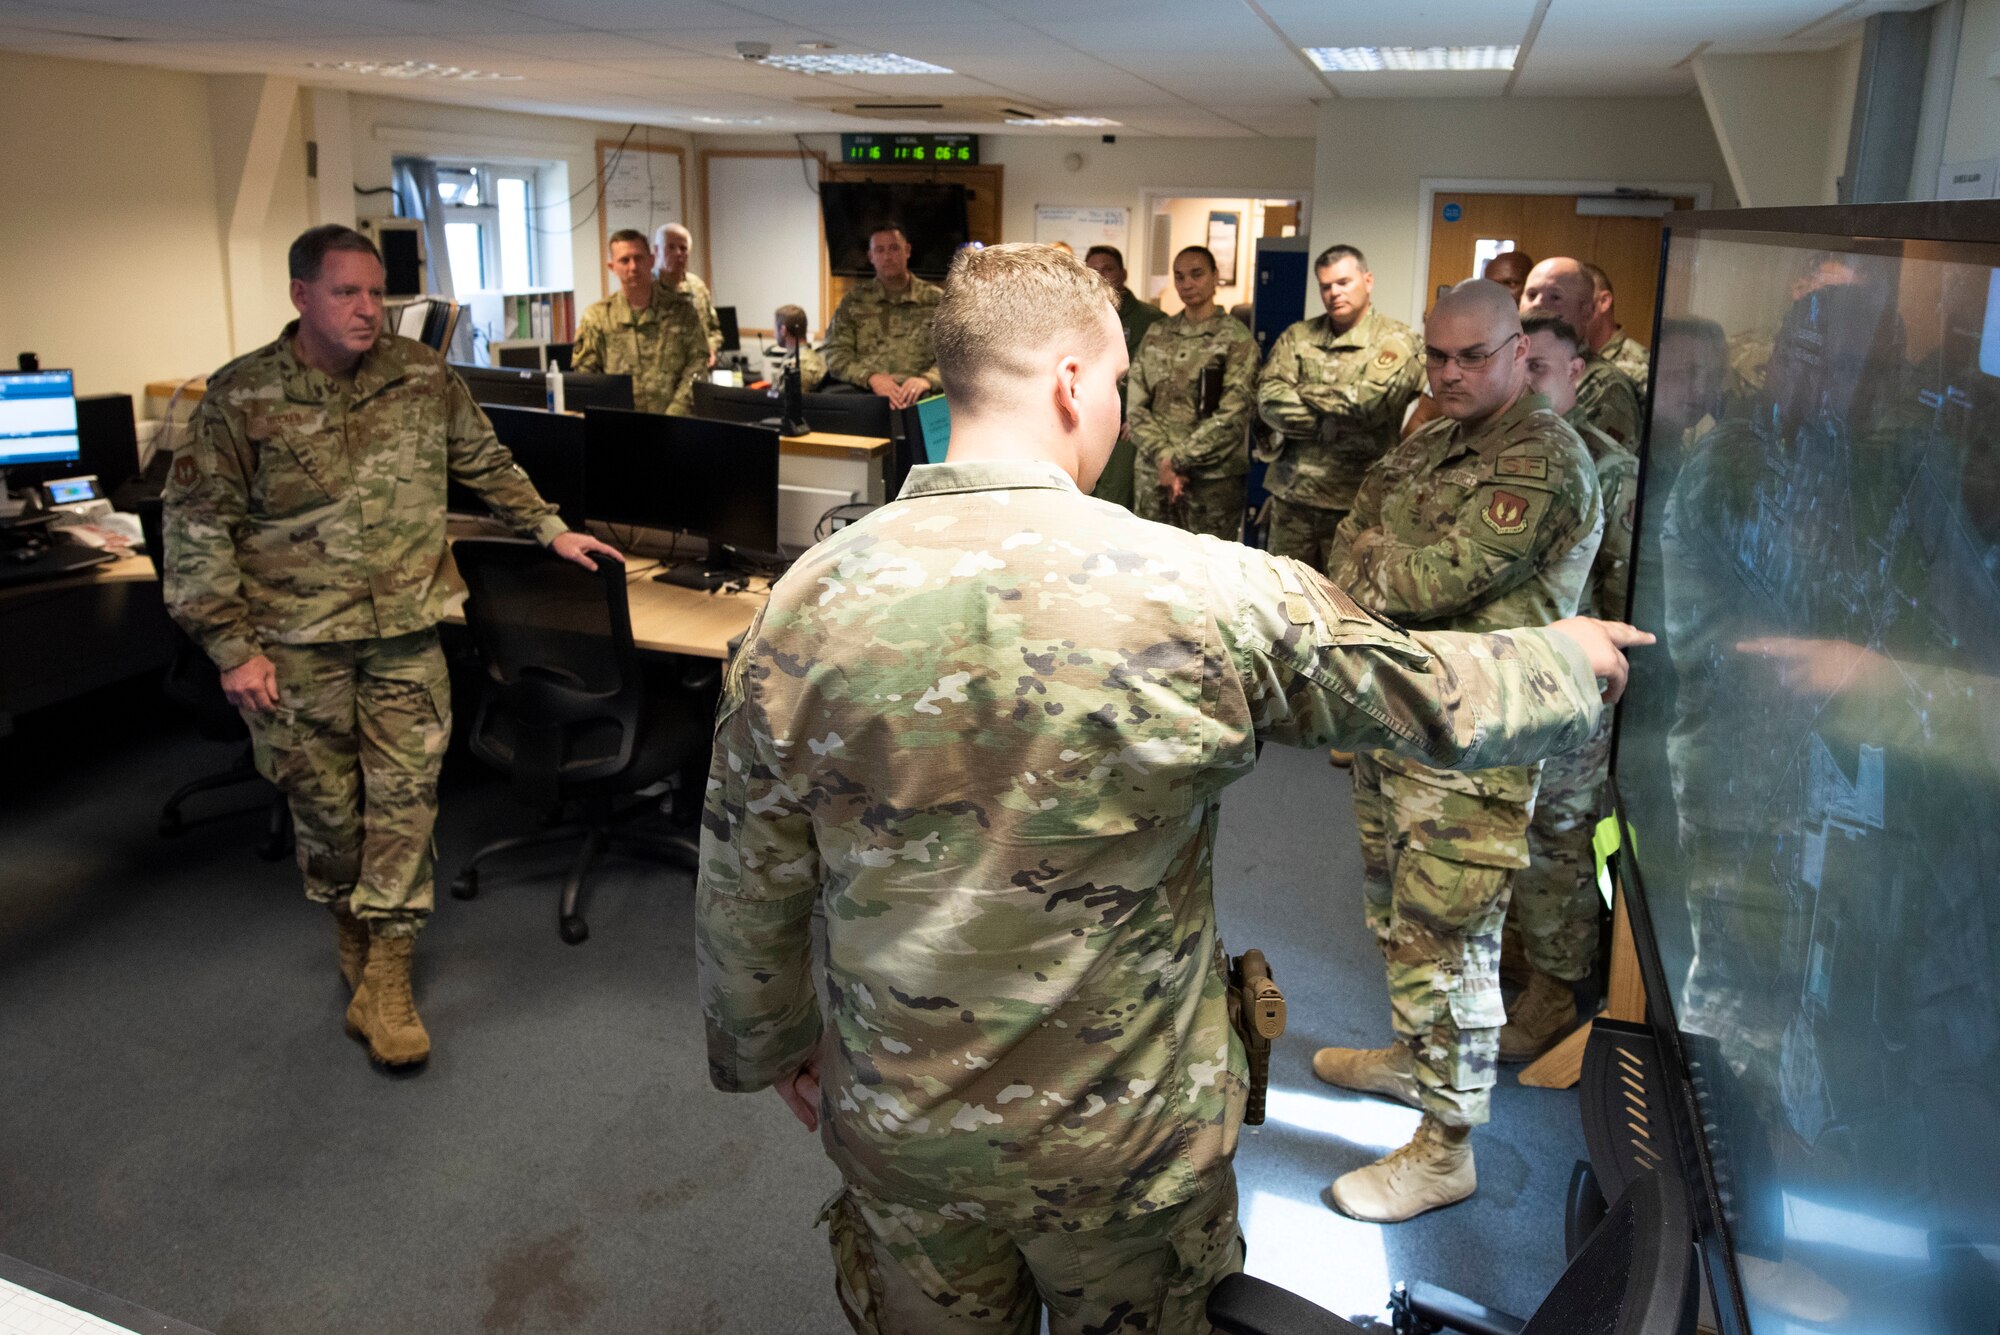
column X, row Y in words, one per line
column 1339, row 400
column 1607, row 400
column 876, row 333
column 663, row 346
column 305, row 509
column 1624, row 352
column 986, row 729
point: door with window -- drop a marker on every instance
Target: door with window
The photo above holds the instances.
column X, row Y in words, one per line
column 1469, row 229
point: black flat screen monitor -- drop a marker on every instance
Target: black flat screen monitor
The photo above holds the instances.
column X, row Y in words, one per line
column 848, row 414
column 1808, row 763
column 716, row 480
column 594, row 389
column 549, row 448
column 38, row 426
column 931, row 215
column 727, row 403
column 506, row 385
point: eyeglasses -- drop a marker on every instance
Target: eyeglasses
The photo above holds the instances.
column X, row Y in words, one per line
column 1467, row 361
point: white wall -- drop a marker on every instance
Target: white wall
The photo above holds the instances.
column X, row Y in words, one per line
column 1782, row 121
column 113, row 257
column 1373, row 153
column 1973, row 129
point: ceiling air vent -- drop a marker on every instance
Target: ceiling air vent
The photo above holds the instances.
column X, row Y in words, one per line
column 928, row 110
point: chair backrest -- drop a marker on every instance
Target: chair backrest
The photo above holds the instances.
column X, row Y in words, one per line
column 556, row 642
column 1636, row 1274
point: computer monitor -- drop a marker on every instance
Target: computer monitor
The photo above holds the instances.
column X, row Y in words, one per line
column 38, row 427
column 504, row 385
column 848, row 414
column 732, row 338
column 593, row 389
column 727, row 403
column 717, row 480
column 549, row 447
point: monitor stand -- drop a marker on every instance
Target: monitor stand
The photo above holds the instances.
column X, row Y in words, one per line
column 703, row 575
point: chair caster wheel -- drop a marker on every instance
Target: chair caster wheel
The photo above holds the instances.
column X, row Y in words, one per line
column 574, row 930
column 171, row 827
column 467, row 884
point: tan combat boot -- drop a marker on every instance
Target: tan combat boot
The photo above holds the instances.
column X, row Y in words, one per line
column 1433, row 1170
column 1339, row 759
column 1538, row 1019
column 353, row 943
column 1390, row 1072
column 383, row 1011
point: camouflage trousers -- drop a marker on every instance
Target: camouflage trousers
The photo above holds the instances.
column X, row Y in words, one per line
column 356, row 744
column 1212, row 505
column 1304, row 532
column 1438, row 852
column 1556, row 904
column 906, row 1271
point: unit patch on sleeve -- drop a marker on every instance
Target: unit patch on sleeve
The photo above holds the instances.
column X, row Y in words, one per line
column 1506, row 513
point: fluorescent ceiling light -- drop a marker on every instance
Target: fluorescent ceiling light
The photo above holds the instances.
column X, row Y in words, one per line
column 881, row 62
column 1373, row 59
column 730, row 120
column 1062, row 120
column 409, row 69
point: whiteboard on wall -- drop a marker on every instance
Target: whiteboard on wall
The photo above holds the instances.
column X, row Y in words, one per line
column 640, row 186
column 1084, row 226
column 762, row 215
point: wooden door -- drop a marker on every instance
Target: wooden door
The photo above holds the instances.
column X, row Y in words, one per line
column 982, row 207
column 1628, row 249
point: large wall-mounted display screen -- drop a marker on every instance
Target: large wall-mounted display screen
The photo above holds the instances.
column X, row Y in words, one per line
column 1809, row 763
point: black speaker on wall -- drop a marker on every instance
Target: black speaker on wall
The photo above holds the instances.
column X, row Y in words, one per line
column 108, row 438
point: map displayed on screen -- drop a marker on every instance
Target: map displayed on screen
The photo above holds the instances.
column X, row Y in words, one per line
column 1809, row 762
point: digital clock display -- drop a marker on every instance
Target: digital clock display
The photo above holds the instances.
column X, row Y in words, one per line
column 909, row 150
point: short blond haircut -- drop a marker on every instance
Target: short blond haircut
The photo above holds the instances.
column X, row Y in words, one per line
column 1003, row 303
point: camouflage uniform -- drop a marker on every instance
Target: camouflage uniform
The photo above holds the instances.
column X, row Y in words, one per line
column 812, row 368
column 1135, row 317
column 983, row 733
column 1460, row 531
column 1339, row 401
column 876, row 333
column 1555, row 902
column 661, row 347
column 1624, row 352
column 695, row 290
column 1607, row 400
column 305, row 522
column 1163, row 406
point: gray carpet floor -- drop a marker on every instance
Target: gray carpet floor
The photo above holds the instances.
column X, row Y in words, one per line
column 185, row 1125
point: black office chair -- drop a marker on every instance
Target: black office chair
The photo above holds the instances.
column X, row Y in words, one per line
column 195, row 685
column 566, row 713
column 1635, row 1275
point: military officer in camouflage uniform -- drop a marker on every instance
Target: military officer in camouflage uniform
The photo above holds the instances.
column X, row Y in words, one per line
column 672, row 244
column 644, row 331
column 1607, row 398
column 1609, row 337
column 1336, row 388
column 305, row 552
column 790, row 327
column 880, row 337
column 1135, row 317
column 1488, row 517
column 982, row 733
column 1188, row 400
column 1555, row 902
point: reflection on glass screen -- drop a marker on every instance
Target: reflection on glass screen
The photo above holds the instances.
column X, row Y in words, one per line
column 1810, row 762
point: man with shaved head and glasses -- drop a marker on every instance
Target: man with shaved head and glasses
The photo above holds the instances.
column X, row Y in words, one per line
column 1487, row 517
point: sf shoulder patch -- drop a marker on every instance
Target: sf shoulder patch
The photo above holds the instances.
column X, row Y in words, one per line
column 1521, row 466
column 1506, row 513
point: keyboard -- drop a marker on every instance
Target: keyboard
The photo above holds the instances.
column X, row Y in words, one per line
column 52, row 563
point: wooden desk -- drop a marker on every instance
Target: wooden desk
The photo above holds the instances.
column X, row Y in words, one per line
column 64, row 637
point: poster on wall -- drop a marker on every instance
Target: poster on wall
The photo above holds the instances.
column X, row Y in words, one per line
column 1082, row 226
column 1222, row 229
column 640, row 186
